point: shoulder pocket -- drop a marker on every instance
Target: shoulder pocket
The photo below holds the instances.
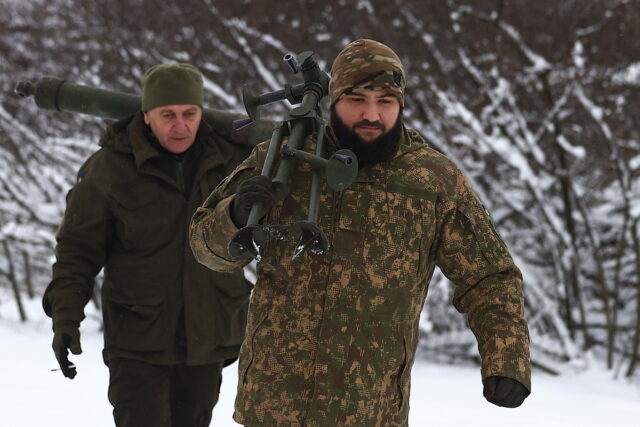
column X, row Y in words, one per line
column 489, row 241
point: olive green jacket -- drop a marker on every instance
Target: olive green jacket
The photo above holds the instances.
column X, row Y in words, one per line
column 331, row 338
column 129, row 212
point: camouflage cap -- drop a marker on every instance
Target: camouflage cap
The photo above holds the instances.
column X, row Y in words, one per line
column 171, row 84
column 366, row 65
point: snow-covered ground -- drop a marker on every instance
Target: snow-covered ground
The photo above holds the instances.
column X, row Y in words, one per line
column 31, row 395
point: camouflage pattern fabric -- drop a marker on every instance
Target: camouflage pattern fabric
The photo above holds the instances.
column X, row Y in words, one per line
column 366, row 65
column 331, row 338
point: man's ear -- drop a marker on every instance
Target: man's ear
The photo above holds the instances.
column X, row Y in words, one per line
column 145, row 114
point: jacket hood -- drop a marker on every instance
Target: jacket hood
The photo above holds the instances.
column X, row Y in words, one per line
column 115, row 136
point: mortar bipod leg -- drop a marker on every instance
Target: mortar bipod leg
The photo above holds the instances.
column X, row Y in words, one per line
column 307, row 233
column 281, row 182
column 314, row 194
column 247, row 241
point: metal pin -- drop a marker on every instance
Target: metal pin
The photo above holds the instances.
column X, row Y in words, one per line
column 71, row 366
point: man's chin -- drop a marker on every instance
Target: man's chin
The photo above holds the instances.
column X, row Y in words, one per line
column 378, row 149
column 177, row 146
column 367, row 136
column 180, row 139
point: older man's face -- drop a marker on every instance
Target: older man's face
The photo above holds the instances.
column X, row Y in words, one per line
column 175, row 126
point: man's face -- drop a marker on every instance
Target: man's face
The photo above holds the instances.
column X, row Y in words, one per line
column 369, row 114
column 175, row 126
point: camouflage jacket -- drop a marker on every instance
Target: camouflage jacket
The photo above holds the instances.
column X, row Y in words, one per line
column 331, row 338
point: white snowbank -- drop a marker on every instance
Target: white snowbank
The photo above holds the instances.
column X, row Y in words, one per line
column 31, row 395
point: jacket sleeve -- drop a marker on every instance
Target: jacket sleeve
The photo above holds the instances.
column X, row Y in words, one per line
column 82, row 241
column 211, row 226
column 488, row 285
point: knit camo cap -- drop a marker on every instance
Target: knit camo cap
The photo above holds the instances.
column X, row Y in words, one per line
column 171, row 84
column 366, row 65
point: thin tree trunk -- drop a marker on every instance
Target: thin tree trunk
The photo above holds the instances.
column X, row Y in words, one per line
column 636, row 337
column 27, row 274
column 566, row 189
column 609, row 303
column 14, row 281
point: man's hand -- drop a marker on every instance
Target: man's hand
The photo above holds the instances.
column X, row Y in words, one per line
column 504, row 391
column 257, row 189
column 66, row 337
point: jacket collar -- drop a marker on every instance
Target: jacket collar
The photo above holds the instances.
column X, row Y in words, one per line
column 409, row 141
column 129, row 136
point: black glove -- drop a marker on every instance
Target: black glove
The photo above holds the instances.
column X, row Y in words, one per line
column 257, row 189
column 66, row 336
column 504, row 391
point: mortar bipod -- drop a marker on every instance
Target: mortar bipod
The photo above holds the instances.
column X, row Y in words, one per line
column 341, row 169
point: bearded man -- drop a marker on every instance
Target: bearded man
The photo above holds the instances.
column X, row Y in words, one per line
column 331, row 338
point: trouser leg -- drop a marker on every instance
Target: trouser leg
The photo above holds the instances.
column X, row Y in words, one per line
column 194, row 393
column 139, row 393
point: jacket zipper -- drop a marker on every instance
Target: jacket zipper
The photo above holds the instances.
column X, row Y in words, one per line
column 180, row 177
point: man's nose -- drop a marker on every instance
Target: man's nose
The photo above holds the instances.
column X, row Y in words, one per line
column 371, row 113
column 179, row 125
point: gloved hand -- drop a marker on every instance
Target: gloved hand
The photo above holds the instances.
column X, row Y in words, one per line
column 66, row 336
column 504, row 391
column 257, row 189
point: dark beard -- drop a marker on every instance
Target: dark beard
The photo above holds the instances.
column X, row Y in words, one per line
column 379, row 150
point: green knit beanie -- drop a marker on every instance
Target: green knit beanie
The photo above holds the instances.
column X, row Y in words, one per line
column 171, row 84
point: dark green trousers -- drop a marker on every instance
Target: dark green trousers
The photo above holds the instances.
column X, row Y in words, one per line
column 145, row 395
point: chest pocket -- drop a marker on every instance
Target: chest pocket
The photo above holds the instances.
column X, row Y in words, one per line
column 147, row 217
column 352, row 226
column 387, row 224
column 354, row 209
column 380, row 236
column 397, row 216
column 396, row 227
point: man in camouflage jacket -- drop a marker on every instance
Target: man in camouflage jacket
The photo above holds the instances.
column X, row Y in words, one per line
column 331, row 338
column 170, row 324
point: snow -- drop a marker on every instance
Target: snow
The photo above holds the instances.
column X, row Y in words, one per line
column 33, row 396
column 578, row 54
column 220, row 93
column 365, row 5
column 540, row 64
column 629, row 76
column 574, row 150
